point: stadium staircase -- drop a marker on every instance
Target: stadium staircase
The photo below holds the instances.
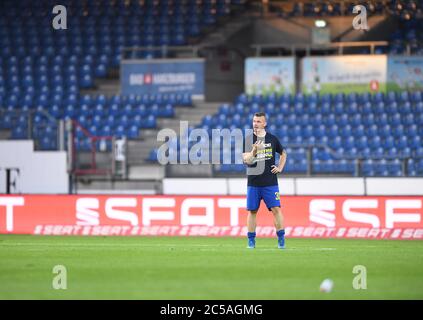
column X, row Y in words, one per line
column 144, row 176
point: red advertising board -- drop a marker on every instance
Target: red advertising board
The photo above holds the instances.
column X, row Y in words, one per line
column 310, row 216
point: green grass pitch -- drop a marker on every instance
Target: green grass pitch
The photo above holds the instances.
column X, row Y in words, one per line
column 207, row 268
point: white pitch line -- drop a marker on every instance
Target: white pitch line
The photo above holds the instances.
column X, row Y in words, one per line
column 17, row 244
column 297, row 249
column 135, row 245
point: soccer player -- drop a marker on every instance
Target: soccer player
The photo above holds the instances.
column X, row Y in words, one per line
column 262, row 179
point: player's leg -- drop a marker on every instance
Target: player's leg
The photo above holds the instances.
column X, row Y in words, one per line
column 251, row 220
column 251, row 225
column 272, row 200
column 279, row 226
column 253, row 203
column 278, row 219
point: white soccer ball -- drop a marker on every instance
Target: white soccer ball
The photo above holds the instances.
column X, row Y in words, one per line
column 326, row 286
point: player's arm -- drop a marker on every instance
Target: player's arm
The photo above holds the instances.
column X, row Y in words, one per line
column 248, row 157
column 281, row 165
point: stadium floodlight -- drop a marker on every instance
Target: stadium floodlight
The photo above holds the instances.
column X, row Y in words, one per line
column 320, row 23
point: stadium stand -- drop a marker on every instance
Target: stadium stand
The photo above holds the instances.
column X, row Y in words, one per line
column 385, row 130
column 43, row 73
column 43, row 70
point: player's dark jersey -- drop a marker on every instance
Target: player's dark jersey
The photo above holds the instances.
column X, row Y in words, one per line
column 265, row 153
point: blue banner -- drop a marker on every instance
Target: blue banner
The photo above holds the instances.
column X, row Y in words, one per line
column 160, row 76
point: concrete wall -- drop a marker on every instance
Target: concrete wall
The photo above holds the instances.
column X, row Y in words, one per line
column 299, row 186
column 39, row 171
column 225, row 67
column 298, row 30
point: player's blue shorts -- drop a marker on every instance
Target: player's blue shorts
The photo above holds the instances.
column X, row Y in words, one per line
column 270, row 195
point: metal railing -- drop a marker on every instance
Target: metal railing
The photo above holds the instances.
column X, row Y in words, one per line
column 165, row 51
column 29, row 132
column 336, row 46
column 357, row 160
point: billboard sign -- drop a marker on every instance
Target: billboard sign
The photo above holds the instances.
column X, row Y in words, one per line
column 163, row 76
column 269, row 75
column 305, row 217
column 405, row 73
column 344, row 74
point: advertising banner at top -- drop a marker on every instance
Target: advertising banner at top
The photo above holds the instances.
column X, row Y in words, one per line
column 163, row 76
column 346, row 74
column 405, row 73
column 269, row 75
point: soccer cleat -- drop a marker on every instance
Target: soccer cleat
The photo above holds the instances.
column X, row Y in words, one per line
column 281, row 243
column 251, row 243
